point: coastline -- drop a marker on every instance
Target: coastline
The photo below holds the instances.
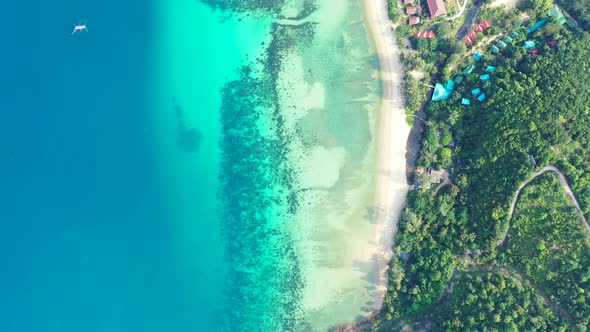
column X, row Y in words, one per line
column 392, row 186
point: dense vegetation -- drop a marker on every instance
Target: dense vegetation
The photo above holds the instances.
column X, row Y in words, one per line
column 431, row 233
column 548, row 244
column 491, row 301
column 538, row 107
column 536, row 114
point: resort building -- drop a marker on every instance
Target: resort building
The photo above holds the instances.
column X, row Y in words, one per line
column 437, row 8
column 428, row 34
column 411, row 10
column 482, row 26
column 469, row 69
column 414, row 20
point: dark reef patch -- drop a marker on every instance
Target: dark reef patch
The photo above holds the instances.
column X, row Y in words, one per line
column 264, row 283
column 257, row 194
column 245, row 6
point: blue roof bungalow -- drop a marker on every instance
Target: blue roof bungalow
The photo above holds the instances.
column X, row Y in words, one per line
column 513, row 34
column 482, row 97
column 485, row 77
column 476, row 91
column 477, row 56
column 465, row 101
column 529, row 44
column 494, row 49
column 458, row 79
column 469, row 69
column 440, row 93
column 537, row 25
column 490, row 69
column 450, row 85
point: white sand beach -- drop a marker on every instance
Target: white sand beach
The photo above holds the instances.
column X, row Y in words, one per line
column 393, row 134
column 343, row 113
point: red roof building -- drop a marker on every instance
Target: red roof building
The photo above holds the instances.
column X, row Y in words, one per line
column 428, row 34
column 468, row 41
column 437, row 8
column 411, row 10
column 472, row 35
column 407, row 2
column 535, row 51
column 414, row 20
column 482, row 26
column 552, row 42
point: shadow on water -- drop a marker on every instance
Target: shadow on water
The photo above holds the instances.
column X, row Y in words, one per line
column 187, row 139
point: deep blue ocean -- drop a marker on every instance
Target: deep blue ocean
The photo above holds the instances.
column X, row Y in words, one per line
column 84, row 240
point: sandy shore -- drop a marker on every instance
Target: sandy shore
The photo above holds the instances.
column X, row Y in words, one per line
column 392, row 186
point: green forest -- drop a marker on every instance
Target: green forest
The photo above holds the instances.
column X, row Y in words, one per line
column 493, row 300
column 547, row 243
column 451, row 270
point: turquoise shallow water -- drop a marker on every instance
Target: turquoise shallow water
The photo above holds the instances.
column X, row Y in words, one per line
column 144, row 183
column 197, row 54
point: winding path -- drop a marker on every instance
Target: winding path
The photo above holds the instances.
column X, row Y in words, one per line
column 564, row 185
column 461, row 10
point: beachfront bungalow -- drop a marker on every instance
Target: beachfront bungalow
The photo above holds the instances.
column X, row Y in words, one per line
column 529, row 44
column 450, row 85
column 436, row 7
column 476, row 91
column 477, row 56
column 414, row 20
column 465, row 101
column 482, row 97
column 490, row 69
column 469, row 69
column 485, row 77
column 413, row 10
column 440, row 93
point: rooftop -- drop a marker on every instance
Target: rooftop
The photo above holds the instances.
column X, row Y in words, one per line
column 414, row 20
column 436, row 7
column 411, row 10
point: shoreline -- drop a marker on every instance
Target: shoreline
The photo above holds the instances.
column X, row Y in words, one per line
column 392, row 185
